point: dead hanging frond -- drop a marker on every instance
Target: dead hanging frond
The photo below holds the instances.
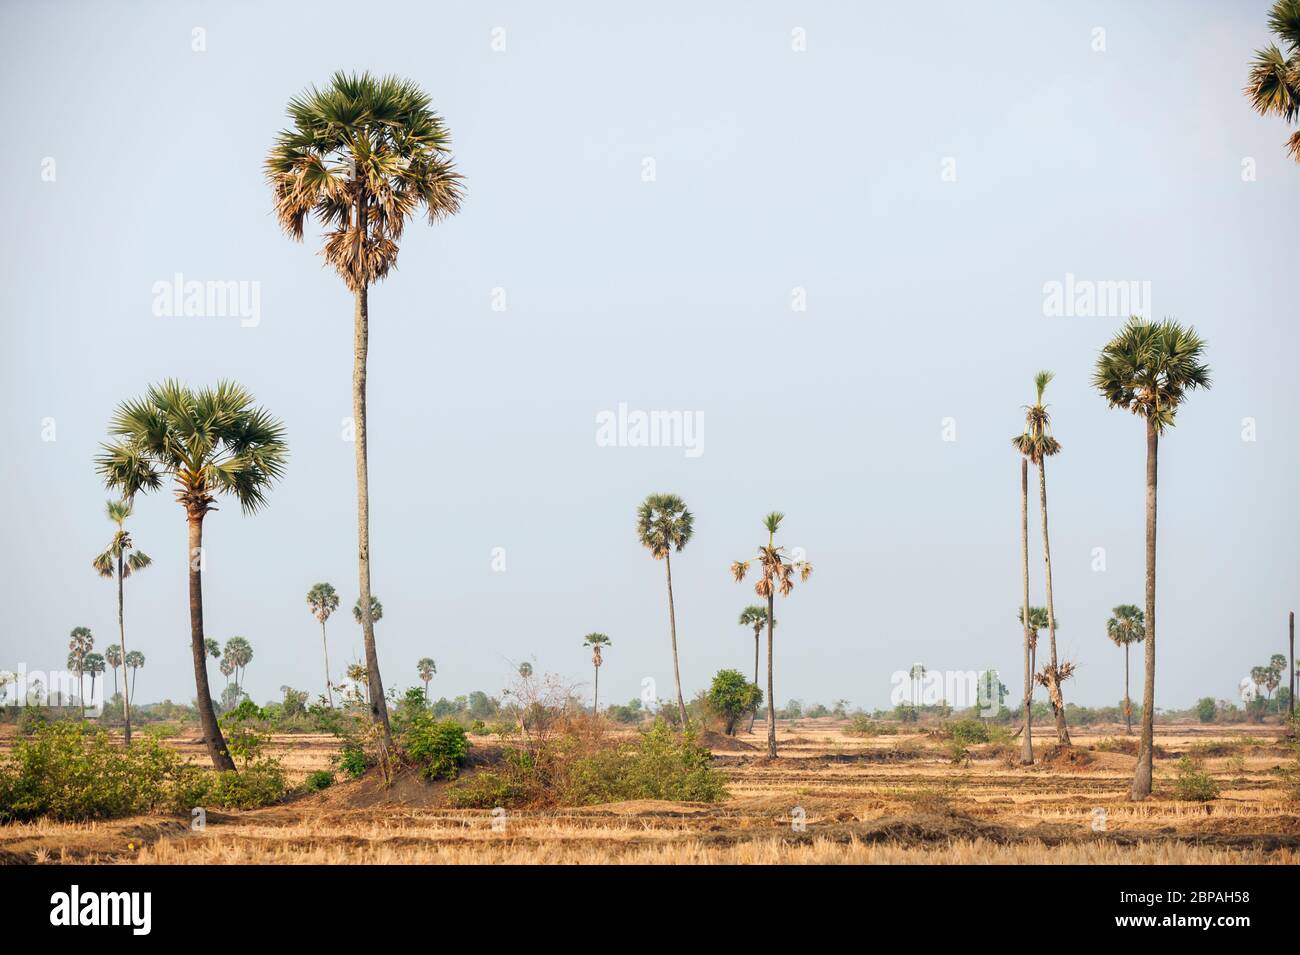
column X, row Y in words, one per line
column 1049, row 677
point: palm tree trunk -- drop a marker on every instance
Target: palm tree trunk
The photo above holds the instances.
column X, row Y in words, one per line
column 207, row 716
column 672, row 627
column 121, row 636
column 329, row 690
column 1128, row 707
column 595, row 694
column 771, row 708
column 1026, row 743
column 378, row 707
column 1290, row 705
column 753, row 712
column 1054, row 676
column 1142, row 775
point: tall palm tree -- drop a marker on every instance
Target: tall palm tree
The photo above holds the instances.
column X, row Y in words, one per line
column 1274, row 84
column 663, row 524
column 1148, row 369
column 240, row 654
column 596, row 641
column 1037, row 444
column 323, row 600
column 113, row 657
column 776, row 572
column 226, row 668
column 755, row 615
column 1037, row 624
column 94, row 664
column 376, row 611
column 133, row 661
column 363, row 155
column 426, row 668
column 118, row 562
column 80, row 643
column 1125, row 627
column 1022, row 444
column 207, row 442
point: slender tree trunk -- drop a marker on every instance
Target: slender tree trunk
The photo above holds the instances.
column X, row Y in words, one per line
column 672, row 627
column 378, row 706
column 121, row 636
column 207, row 716
column 1290, row 704
column 1142, row 775
column 595, row 694
column 771, row 708
column 329, row 690
column 753, row 710
column 1054, row 675
column 135, row 672
column 1026, row 741
column 1128, row 706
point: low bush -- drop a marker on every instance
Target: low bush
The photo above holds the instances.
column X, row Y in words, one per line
column 965, row 731
column 353, row 759
column 261, row 783
column 438, row 747
column 862, row 725
column 321, row 779
column 1193, row 784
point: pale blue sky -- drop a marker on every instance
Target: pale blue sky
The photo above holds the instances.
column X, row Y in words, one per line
column 775, row 170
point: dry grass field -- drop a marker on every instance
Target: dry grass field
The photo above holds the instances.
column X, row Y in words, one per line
column 887, row 799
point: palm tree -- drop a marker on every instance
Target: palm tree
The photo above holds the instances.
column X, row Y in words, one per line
column 596, row 641
column 525, row 670
column 1022, row 443
column 94, row 664
column 664, row 524
column 1037, row 623
column 1037, row 444
column 226, row 669
column 213, row 648
column 240, row 654
column 79, row 644
column 376, row 610
column 357, row 674
column 1125, row 627
column 755, row 615
column 426, row 668
column 776, row 572
column 118, row 562
column 208, row 442
column 133, row 662
column 362, row 156
column 322, row 600
column 1274, row 85
column 1148, row 369
column 113, row 657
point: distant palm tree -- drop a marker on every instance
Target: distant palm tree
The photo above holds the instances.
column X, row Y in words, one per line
column 240, row 654
column 426, row 668
column 213, row 648
column 1038, row 444
column 1127, row 626
column 118, row 562
column 525, row 670
column 323, row 600
column 376, row 611
column 133, row 662
column 755, row 615
column 1037, row 623
column 1148, row 369
column 663, row 525
column 357, row 674
column 776, row 572
column 208, row 442
column 1274, row 85
column 362, row 156
column 226, row 668
column 113, row 657
column 1023, row 444
column 94, row 664
column 596, row 641
column 79, row 644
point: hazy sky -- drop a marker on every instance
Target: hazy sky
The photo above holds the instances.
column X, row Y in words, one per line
column 827, row 169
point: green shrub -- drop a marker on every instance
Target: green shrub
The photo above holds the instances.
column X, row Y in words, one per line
column 1192, row 784
column 321, row 779
column 68, row 771
column 966, row 731
column 244, row 712
column 1206, row 709
column 732, row 697
column 259, row 784
column 352, row 759
column 439, row 748
column 863, row 725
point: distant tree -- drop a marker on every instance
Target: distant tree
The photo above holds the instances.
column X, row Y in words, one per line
column 133, row 662
column 79, row 644
column 525, row 670
column 1127, row 626
column 113, row 657
column 663, row 524
column 117, row 562
column 1206, row 709
column 94, row 664
column 322, row 601
column 376, row 610
column 240, row 654
column 596, row 641
column 731, row 697
column 426, row 669
column 1274, row 84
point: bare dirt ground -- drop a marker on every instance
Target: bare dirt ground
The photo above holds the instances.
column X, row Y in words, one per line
column 884, row 799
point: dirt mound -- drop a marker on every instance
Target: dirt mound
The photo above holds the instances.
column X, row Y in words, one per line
column 720, row 743
column 1066, row 757
column 408, row 788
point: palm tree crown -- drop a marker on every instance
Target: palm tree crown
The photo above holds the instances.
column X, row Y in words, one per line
column 1274, row 84
column 1128, row 625
column 208, row 442
column 663, row 524
column 362, row 155
column 1149, row 367
column 376, row 610
column 322, row 600
column 596, row 641
column 776, row 570
column 1036, row 442
column 121, row 545
column 426, row 668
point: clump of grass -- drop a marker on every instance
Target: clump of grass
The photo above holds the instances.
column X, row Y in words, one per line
column 965, row 731
column 862, row 725
column 320, row 779
column 1193, row 783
